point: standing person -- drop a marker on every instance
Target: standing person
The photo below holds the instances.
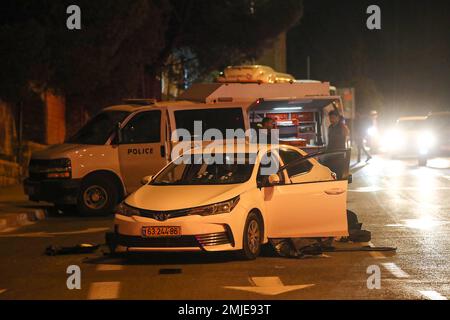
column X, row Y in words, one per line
column 268, row 124
column 337, row 138
column 337, row 132
column 360, row 133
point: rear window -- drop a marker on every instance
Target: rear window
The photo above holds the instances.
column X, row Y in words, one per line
column 221, row 119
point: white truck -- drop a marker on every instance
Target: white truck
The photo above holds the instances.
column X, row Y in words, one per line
column 107, row 158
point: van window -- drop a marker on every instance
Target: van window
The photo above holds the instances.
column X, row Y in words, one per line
column 97, row 130
column 288, row 155
column 145, row 127
column 221, row 119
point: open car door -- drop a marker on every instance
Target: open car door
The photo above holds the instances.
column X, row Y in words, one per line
column 307, row 209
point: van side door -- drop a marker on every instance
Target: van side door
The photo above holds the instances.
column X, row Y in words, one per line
column 142, row 149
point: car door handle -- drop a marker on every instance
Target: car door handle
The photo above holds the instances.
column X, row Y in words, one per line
column 334, row 192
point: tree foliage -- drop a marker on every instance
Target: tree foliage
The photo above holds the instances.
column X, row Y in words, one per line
column 120, row 40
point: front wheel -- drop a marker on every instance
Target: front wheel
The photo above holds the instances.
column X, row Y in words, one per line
column 98, row 196
column 422, row 161
column 252, row 237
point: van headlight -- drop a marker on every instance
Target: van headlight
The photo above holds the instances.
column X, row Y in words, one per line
column 52, row 169
column 126, row 210
column 216, row 208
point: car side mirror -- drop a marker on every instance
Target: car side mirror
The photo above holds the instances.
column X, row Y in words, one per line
column 146, row 180
column 273, row 179
column 269, row 181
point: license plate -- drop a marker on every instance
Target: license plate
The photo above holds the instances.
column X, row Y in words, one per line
column 155, row 232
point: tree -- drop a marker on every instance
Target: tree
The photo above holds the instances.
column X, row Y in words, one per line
column 121, row 40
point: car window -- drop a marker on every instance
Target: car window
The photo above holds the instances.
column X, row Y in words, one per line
column 288, row 156
column 143, row 128
column 269, row 164
column 221, row 119
column 99, row 128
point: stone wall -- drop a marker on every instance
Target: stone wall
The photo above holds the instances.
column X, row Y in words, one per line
column 9, row 169
column 8, row 136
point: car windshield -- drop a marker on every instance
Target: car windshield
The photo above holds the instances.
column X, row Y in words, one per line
column 410, row 125
column 99, row 128
column 235, row 169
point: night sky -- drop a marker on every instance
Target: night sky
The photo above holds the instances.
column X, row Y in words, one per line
column 408, row 60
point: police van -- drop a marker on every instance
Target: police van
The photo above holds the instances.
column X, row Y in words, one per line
column 108, row 157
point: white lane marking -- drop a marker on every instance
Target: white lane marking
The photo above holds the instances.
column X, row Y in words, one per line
column 376, row 189
column 269, row 286
column 109, row 267
column 432, row 295
column 104, row 290
column 2, row 291
column 377, row 255
column 395, row 270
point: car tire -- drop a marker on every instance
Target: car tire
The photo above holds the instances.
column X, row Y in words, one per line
column 422, row 162
column 252, row 237
column 98, row 196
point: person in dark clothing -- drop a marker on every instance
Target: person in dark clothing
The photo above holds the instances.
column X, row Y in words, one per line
column 361, row 125
column 337, row 132
column 268, row 124
column 337, row 138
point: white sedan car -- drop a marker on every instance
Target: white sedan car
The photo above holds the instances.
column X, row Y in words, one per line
column 233, row 206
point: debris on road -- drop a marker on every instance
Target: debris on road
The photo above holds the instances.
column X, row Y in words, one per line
column 78, row 249
column 307, row 247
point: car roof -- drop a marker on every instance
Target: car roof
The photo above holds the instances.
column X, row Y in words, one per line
column 439, row 114
column 180, row 104
column 415, row 118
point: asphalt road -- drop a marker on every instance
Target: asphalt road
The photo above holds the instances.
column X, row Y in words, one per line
column 401, row 204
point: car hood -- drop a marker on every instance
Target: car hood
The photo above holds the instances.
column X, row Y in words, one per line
column 58, row 151
column 167, row 198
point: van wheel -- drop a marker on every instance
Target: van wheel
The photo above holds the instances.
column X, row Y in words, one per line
column 252, row 238
column 98, row 196
column 422, row 162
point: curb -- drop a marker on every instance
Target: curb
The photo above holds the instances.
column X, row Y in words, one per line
column 15, row 220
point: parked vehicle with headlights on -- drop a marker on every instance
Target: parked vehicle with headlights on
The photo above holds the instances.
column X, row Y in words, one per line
column 409, row 138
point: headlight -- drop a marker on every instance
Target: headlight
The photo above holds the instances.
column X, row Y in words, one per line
column 52, row 169
column 217, row 208
column 393, row 140
column 426, row 139
column 372, row 132
column 126, row 210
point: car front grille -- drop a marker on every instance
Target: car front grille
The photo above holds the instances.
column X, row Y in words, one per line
column 38, row 168
column 198, row 241
column 163, row 242
column 163, row 215
column 213, row 239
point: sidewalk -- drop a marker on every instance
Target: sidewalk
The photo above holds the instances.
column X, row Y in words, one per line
column 17, row 211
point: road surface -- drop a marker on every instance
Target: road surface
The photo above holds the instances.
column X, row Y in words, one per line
column 401, row 204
